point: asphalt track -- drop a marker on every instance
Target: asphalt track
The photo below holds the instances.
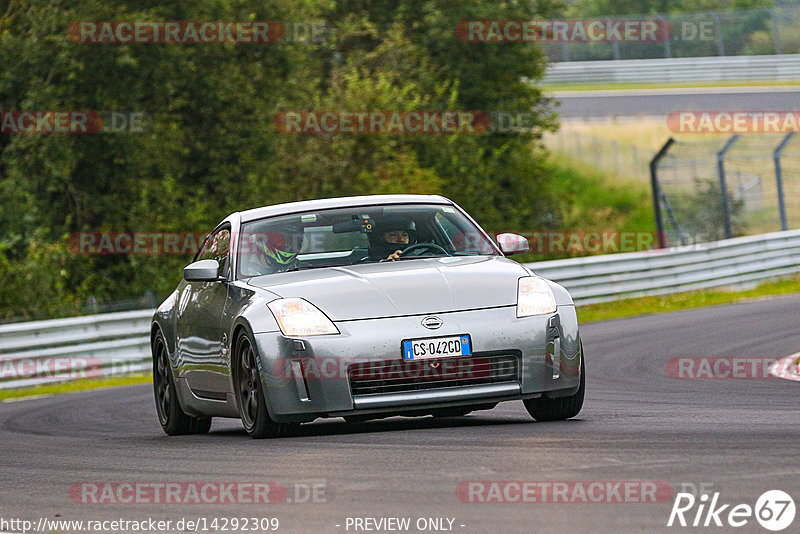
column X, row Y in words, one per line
column 661, row 102
column 741, row 437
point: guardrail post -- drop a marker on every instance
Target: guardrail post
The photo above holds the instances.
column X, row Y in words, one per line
column 723, row 186
column 776, row 157
column 656, row 191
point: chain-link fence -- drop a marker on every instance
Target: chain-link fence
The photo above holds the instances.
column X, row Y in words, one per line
column 94, row 306
column 762, row 31
column 616, row 158
column 727, row 187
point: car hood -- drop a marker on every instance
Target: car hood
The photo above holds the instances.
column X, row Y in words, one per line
column 407, row 287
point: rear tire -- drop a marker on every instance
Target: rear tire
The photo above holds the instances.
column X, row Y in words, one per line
column 250, row 397
column 559, row 408
column 173, row 419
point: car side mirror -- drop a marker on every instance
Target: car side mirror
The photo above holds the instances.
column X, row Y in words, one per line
column 202, row 271
column 512, row 244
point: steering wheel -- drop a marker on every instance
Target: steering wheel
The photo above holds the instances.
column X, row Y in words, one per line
column 431, row 247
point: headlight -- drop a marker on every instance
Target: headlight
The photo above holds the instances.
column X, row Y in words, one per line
column 298, row 317
column 534, row 297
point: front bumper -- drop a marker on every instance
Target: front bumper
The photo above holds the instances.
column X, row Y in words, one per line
column 311, row 377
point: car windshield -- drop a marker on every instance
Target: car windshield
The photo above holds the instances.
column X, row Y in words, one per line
column 348, row 236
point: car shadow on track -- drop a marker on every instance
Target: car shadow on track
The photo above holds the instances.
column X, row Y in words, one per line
column 335, row 427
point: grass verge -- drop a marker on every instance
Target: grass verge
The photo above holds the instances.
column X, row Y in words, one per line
column 684, row 301
column 78, row 385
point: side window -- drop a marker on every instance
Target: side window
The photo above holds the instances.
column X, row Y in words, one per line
column 216, row 247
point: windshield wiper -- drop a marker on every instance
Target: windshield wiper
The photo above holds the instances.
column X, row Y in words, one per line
column 421, row 257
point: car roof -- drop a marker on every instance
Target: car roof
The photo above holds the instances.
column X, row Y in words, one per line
column 342, row 202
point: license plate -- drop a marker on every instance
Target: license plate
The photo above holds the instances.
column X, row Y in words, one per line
column 438, row 347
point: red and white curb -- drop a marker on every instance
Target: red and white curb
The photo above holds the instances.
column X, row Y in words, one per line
column 787, row 367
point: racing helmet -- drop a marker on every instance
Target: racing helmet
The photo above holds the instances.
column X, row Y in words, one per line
column 393, row 223
column 279, row 247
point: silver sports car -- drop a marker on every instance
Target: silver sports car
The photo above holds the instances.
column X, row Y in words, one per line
column 360, row 307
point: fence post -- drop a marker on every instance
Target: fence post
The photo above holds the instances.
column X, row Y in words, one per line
column 667, row 43
column 718, row 30
column 656, row 189
column 92, row 306
column 723, row 186
column 776, row 37
column 776, row 157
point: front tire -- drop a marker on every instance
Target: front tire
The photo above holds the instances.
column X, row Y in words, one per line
column 173, row 419
column 559, row 408
column 250, row 397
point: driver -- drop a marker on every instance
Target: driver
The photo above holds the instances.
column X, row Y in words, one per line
column 273, row 252
column 391, row 236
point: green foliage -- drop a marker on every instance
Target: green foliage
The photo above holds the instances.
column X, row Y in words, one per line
column 700, row 213
column 209, row 146
column 589, row 202
column 635, row 306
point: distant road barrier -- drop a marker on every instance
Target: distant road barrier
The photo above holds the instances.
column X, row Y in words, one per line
column 734, row 261
column 41, row 352
column 667, row 70
column 118, row 343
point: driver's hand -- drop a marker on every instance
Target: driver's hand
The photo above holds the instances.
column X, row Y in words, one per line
column 394, row 255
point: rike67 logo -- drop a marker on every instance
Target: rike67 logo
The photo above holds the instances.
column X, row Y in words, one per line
column 774, row 510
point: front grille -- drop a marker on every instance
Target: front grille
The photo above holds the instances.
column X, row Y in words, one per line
column 397, row 376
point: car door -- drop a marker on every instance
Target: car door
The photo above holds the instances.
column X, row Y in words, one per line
column 201, row 336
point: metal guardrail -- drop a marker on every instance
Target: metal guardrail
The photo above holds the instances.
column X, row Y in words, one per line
column 736, row 261
column 41, row 352
column 118, row 343
column 694, row 69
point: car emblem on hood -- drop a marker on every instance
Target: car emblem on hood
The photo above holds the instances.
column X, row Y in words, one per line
column 431, row 322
